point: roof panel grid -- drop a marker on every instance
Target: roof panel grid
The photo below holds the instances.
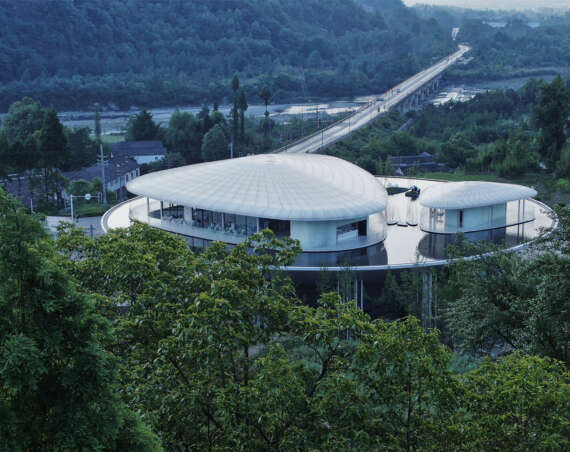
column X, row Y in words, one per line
column 287, row 187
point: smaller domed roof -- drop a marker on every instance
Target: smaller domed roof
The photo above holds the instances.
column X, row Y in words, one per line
column 466, row 195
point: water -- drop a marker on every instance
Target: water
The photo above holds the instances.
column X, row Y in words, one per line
column 114, row 122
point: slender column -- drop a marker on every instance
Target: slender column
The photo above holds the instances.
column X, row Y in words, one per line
column 362, row 294
column 147, row 208
column 161, row 207
column 356, row 290
column 223, row 222
column 257, row 224
column 427, row 299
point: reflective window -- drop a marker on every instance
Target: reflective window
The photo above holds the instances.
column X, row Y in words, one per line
column 281, row 228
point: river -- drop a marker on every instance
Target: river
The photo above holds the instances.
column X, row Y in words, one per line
column 114, row 122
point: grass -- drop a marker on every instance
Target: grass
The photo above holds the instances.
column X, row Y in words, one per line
column 110, row 139
column 92, row 209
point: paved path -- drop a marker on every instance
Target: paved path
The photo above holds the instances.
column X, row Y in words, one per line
column 91, row 225
column 373, row 109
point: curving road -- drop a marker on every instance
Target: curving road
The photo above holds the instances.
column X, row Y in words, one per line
column 374, row 108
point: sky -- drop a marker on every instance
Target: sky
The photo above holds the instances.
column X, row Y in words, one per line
column 496, row 4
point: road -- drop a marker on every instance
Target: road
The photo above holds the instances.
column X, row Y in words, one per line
column 373, row 109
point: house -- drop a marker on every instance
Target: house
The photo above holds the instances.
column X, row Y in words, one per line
column 142, row 151
column 422, row 162
column 119, row 170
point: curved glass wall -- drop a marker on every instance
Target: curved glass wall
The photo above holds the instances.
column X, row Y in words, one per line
column 451, row 221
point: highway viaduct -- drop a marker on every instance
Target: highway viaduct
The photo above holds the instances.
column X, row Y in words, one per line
column 406, row 96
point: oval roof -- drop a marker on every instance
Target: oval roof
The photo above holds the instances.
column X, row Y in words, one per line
column 465, row 195
column 287, row 187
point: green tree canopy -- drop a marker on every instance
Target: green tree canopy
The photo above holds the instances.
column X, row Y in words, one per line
column 184, row 136
column 24, row 117
column 58, row 384
column 215, row 145
column 141, row 127
column 550, row 116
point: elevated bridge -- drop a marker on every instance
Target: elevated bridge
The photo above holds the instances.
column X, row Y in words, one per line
column 406, row 96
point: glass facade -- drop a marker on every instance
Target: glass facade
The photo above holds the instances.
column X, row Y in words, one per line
column 281, row 228
column 351, row 231
column 224, row 222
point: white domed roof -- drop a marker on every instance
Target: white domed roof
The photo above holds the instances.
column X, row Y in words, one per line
column 465, row 195
column 285, row 187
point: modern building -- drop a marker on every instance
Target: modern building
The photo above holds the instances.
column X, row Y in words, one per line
column 337, row 211
column 326, row 203
column 474, row 206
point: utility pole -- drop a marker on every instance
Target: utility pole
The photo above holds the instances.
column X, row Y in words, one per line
column 102, row 160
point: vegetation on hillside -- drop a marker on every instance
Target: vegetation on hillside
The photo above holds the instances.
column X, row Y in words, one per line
column 505, row 133
column 150, row 53
column 507, row 43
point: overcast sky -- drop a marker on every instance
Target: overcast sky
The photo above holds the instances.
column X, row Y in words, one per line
column 496, row 4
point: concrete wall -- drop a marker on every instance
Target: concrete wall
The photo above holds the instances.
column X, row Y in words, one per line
column 317, row 234
column 142, row 159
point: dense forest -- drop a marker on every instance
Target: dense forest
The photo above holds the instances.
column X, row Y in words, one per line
column 73, row 53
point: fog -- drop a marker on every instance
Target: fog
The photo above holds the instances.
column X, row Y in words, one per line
column 496, row 4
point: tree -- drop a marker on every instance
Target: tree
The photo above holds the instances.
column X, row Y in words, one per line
column 97, row 129
column 83, row 149
column 205, row 120
column 518, row 159
column 4, row 152
column 550, row 117
column 511, row 302
column 24, row 117
column 184, row 136
column 54, row 151
column 563, row 165
column 518, row 403
column 141, row 127
column 58, row 384
column 219, row 354
column 215, row 145
column 78, row 187
column 456, row 150
column 266, row 96
column 235, row 113
column 242, row 103
column 404, row 381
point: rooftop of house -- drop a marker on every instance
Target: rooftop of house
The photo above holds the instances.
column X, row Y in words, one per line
column 116, row 167
column 423, row 157
column 138, row 148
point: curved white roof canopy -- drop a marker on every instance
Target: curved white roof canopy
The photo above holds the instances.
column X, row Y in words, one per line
column 466, row 195
column 285, row 187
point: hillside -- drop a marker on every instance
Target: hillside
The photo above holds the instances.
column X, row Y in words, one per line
column 73, row 53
